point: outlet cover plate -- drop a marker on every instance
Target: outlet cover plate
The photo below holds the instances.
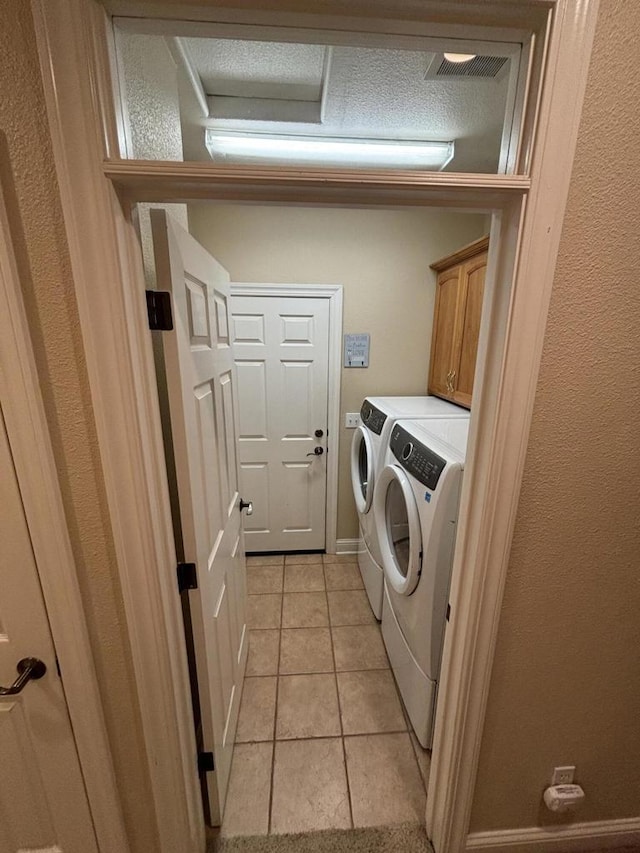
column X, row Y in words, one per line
column 563, row 775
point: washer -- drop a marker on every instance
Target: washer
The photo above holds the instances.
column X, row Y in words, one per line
column 416, row 508
column 368, row 447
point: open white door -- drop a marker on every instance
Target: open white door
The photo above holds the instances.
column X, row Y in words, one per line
column 201, row 389
column 281, row 350
column 43, row 803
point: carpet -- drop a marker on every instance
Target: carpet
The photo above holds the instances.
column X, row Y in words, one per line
column 405, row 838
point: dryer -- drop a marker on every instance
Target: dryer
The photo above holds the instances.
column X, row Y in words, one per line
column 368, row 447
column 416, row 509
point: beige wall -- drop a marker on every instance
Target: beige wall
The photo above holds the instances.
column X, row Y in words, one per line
column 381, row 257
column 566, row 679
column 31, row 194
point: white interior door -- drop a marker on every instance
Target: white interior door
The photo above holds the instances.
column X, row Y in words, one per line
column 281, row 351
column 43, row 804
column 201, row 389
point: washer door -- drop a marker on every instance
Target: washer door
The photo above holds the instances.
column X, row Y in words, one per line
column 398, row 526
column 362, row 469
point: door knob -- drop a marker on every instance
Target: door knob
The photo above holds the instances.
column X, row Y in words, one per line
column 28, row 668
column 317, row 451
column 318, row 433
column 248, row 505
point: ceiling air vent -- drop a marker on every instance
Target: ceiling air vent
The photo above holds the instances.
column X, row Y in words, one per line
column 486, row 67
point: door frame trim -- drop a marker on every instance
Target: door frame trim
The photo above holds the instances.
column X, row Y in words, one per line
column 32, row 452
column 525, row 235
column 335, row 294
column 107, row 270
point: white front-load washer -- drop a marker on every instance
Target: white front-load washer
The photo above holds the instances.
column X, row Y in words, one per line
column 368, row 447
column 416, row 507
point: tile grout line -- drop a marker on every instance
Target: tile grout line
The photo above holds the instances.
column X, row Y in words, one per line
column 325, row 737
column 275, row 715
column 335, row 676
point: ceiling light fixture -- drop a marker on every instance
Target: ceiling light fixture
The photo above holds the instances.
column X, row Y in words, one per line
column 459, row 58
column 328, row 151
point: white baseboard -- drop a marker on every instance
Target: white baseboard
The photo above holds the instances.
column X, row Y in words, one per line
column 347, row 546
column 595, row 835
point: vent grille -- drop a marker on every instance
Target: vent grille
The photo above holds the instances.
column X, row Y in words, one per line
column 480, row 66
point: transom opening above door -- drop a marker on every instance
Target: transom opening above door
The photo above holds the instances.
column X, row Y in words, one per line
column 354, row 102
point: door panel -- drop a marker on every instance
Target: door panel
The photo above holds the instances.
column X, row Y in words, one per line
column 201, row 390
column 43, row 803
column 472, row 281
column 444, row 331
column 281, row 347
column 252, row 399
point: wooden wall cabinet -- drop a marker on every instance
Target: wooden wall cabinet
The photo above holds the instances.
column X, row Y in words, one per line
column 456, row 322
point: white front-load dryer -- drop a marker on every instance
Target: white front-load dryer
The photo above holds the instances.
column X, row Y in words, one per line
column 368, row 448
column 416, row 507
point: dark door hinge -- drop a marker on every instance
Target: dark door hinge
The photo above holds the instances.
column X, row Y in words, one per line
column 448, row 611
column 159, row 310
column 205, row 762
column 187, row 576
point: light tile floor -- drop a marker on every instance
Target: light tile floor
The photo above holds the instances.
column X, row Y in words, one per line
column 322, row 741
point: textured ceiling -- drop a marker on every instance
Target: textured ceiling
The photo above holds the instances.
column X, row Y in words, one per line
column 338, row 91
column 252, row 68
column 370, row 93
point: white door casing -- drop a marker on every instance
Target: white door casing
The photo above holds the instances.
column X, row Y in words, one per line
column 201, row 389
column 281, row 351
column 43, row 803
column 79, row 108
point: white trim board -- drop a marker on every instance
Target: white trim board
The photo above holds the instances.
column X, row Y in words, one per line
column 334, row 293
column 347, row 546
column 104, row 251
column 594, row 835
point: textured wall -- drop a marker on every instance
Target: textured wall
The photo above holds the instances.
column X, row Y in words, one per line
column 31, row 194
column 381, row 257
column 148, row 80
column 566, row 679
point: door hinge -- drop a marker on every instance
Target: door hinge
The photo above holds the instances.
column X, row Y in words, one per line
column 205, row 762
column 159, row 310
column 448, row 611
column 187, row 576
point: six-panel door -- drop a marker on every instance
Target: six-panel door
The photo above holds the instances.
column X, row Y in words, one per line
column 281, row 350
column 201, row 390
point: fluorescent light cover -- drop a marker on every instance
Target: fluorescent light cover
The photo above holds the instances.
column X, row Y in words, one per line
column 460, row 57
column 327, row 151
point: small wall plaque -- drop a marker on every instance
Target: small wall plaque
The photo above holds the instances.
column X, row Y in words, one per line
column 356, row 350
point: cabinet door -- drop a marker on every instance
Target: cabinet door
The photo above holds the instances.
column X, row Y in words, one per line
column 444, row 333
column 472, row 276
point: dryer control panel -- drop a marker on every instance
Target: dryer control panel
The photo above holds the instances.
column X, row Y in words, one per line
column 420, row 461
column 372, row 417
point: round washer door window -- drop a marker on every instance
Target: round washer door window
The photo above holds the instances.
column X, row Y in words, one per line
column 362, row 471
column 398, row 525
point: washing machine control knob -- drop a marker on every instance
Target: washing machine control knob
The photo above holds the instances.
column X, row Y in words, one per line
column 407, row 450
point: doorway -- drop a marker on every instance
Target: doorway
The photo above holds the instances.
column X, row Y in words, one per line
column 288, row 380
column 318, row 669
column 503, row 415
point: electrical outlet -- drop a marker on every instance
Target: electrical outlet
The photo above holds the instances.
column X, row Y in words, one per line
column 352, row 420
column 563, row 775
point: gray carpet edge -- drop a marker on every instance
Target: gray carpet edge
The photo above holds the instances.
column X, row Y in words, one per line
column 408, row 838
